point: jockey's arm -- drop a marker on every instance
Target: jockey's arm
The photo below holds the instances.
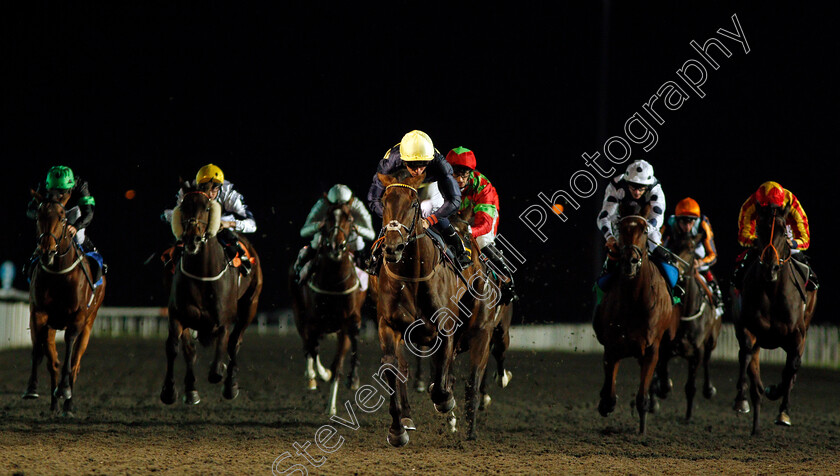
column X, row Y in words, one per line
column 657, row 211
column 708, row 243
column 314, row 218
column 485, row 211
column 85, row 202
column 746, row 223
column 236, row 211
column 609, row 211
column 801, row 232
column 386, row 166
column 440, row 170
column 361, row 216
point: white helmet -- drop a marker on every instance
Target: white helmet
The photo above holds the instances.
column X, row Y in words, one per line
column 339, row 194
column 416, row 146
column 640, row 172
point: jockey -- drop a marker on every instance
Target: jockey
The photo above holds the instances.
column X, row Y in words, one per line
column 636, row 188
column 479, row 195
column 771, row 194
column 441, row 196
column 235, row 215
column 688, row 220
column 362, row 228
column 60, row 182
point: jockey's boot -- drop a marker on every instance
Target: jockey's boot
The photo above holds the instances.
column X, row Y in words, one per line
column 29, row 265
column 662, row 257
column 88, row 247
column 304, row 256
column 813, row 283
column 463, row 257
column 715, row 288
column 497, row 259
column 234, row 249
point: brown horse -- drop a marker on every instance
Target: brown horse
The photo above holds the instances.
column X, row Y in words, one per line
column 209, row 296
column 330, row 301
column 775, row 311
column 634, row 315
column 417, row 302
column 61, row 296
column 698, row 330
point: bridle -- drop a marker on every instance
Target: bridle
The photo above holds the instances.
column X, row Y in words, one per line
column 635, row 252
column 56, row 251
column 395, row 225
column 193, row 221
column 778, row 259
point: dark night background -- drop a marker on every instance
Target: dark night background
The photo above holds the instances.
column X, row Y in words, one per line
column 291, row 99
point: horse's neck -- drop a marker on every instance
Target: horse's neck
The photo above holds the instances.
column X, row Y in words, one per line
column 419, row 257
column 331, row 270
column 210, row 258
column 66, row 260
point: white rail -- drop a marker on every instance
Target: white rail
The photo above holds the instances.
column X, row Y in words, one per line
column 822, row 348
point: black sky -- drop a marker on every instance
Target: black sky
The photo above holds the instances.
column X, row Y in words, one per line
column 291, row 99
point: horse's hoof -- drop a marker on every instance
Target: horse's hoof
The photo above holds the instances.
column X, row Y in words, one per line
column 63, row 392
column 783, row 419
column 353, row 383
column 654, row 406
column 709, row 391
column 230, row 392
column 68, row 414
column 504, row 379
column 326, row 376
column 741, row 406
column 420, row 386
column 446, row 406
column 606, row 407
column 397, row 440
column 30, row 395
column 485, row 402
column 452, row 422
column 216, row 375
column 168, row 396
column 408, row 423
column 192, row 398
column 312, row 384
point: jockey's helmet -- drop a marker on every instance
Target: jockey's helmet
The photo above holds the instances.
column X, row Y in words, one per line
column 416, row 146
column 688, row 207
column 640, row 172
column 209, row 173
column 60, row 178
column 770, row 193
column 339, row 194
column 461, row 159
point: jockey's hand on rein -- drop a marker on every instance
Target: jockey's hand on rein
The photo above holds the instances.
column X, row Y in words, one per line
column 425, row 224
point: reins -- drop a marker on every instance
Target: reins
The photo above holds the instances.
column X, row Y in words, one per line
column 782, row 262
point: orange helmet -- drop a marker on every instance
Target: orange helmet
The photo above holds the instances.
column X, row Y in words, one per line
column 688, row 207
column 770, row 193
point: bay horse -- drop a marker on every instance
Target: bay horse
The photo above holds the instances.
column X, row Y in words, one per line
column 635, row 314
column 208, row 296
column 417, row 302
column 774, row 310
column 330, row 301
column 61, row 297
column 698, row 331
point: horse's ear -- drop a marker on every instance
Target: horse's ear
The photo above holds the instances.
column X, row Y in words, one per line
column 645, row 211
column 416, row 181
column 624, row 210
column 37, row 196
column 185, row 185
column 386, row 179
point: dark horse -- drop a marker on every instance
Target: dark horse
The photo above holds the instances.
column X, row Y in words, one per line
column 61, row 296
column 330, row 301
column 209, row 296
column 775, row 311
column 417, row 302
column 698, row 330
column 634, row 316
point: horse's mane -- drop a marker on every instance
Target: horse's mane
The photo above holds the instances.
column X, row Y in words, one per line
column 401, row 174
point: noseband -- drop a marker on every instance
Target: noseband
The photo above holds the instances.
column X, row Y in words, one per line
column 395, row 225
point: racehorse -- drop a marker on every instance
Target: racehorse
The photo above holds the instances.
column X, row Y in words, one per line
column 635, row 314
column 209, row 296
column 775, row 311
column 330, row 301
column 698, row 329
column 61, row 296
column 417, row 302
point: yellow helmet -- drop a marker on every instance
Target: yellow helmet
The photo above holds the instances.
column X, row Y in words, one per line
column 416, row 146
column 209, row 172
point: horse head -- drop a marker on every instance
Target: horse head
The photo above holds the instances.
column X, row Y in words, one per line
column 196, row 219
column 51, row 223
column 401, row 212
column 335, row 231
column 632, row 241
column 771, row 232
column 684, row 245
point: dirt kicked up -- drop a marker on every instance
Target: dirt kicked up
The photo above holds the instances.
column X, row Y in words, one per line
column 545, row 421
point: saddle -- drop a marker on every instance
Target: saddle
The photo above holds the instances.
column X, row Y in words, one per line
column 448, row 255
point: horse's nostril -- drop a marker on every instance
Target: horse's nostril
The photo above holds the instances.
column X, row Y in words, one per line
column 400, row 247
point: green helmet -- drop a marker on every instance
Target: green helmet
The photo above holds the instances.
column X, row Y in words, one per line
column 61, row 178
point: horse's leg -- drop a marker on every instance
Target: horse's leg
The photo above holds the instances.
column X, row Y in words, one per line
column 792, row 364
column 342, row 346
column 53, row 367
column 406, row 420
column 709, row 390
column 70, row 335
column 608, row 399
column 419, row 383
column 441, row 389
column 746, row 342
column 648, row 366
column 191, row 396
column 234, row 342
column 79, row 348
column 218, row 368
column 310, row 350
column 690, row 384
column 38, row 333
column 479, row 354
column 756, row 387
column 353, row 378
column 168, row 394
column 388, row 341
column 500, row 346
